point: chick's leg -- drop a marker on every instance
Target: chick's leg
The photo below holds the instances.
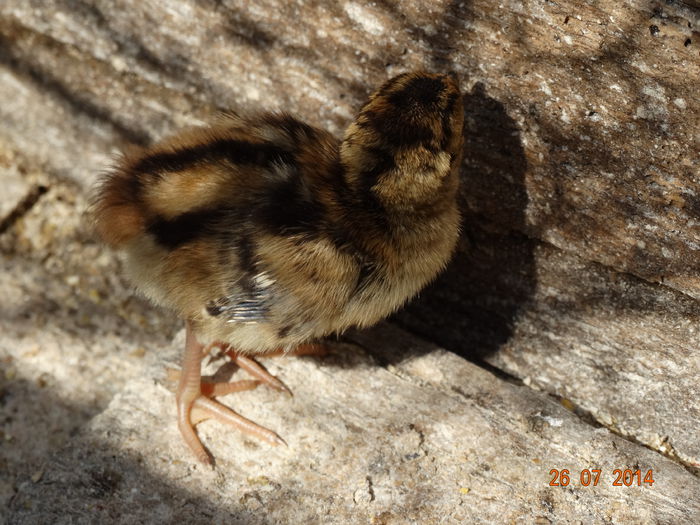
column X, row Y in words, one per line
column 193, row 407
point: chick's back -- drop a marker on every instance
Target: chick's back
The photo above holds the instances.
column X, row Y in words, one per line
column 264, row 234
column 223, row 223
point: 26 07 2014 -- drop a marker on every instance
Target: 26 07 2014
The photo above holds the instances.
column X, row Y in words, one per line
column 592, row 477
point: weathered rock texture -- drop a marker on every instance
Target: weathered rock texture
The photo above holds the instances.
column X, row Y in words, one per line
column 577, row 274
column 444, row 439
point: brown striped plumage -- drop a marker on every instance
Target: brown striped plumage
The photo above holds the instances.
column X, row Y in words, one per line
column 265, row 233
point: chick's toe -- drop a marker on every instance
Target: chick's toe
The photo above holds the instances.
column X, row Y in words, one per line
column 193, row 406
column 256, row 370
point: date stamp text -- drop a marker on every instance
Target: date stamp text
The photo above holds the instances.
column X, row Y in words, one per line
column 594, row 476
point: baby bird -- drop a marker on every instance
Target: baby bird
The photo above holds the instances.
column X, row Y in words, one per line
column 264, row 233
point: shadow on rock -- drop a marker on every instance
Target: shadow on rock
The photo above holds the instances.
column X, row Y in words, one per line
column 472, row 307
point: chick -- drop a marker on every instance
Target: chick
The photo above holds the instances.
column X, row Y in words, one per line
column 264, row 233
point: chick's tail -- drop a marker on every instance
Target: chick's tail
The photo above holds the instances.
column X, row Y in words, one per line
column 167, row 191
column 116, row 207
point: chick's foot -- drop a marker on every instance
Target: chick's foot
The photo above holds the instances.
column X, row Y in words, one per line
column 193, row 406
column 255, row 369
column 216, row 389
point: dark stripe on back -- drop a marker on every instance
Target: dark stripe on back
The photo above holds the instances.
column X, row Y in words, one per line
column 172, row 233
column 233, row 151
column 290, row 206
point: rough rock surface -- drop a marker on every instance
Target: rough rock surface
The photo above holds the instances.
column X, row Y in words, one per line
column 577, row 274
column 431, row 437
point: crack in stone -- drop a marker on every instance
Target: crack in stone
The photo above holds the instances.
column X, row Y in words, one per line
column 589, row 418
column 23, row 207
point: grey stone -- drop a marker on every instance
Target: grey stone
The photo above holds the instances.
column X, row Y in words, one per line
column 576, row 275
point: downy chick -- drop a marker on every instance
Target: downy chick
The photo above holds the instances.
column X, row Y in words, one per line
column 264, row 233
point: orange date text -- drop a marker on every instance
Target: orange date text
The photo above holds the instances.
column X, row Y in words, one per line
column 592, row 477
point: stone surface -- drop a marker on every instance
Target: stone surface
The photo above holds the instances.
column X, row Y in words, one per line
column 623, row 350
column 576, row 273
column 433, row 438
column 71, row 332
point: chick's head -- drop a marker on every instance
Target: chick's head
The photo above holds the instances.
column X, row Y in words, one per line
column 405, row 146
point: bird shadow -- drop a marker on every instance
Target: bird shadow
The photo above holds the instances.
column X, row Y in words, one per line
column 473, row 305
